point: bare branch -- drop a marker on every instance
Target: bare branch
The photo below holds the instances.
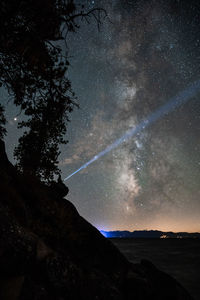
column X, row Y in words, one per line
column 97, row 13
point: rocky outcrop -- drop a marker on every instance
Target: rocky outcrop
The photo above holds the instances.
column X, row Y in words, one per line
column 48, row 251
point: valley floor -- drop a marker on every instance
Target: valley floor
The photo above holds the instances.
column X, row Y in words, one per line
column 178, row 257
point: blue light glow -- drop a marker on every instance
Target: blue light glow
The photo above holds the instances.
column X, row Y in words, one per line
column 171, row 105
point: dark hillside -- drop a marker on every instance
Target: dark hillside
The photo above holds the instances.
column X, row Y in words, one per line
column 48, row 251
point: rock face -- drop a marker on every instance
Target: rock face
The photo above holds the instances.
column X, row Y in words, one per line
column 48, row 251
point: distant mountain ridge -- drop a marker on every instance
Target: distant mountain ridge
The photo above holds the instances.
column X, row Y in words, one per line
column 149, row 234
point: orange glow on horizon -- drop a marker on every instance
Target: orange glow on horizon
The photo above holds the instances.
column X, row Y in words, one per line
column 162, row 225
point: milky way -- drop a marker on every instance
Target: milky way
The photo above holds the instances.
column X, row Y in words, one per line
column 145, row 53
column 175, row 102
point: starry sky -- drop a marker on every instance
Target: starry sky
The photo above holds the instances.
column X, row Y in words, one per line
column 145, row 53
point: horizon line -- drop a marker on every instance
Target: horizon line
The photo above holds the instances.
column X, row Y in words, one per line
column 147, row 230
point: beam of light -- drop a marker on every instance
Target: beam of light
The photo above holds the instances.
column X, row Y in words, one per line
column 171, row 105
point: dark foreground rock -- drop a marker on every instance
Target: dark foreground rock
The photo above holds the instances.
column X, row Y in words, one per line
column 48, row 251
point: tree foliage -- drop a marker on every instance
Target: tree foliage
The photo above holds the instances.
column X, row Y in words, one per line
column 33, row 68
column 2, row 122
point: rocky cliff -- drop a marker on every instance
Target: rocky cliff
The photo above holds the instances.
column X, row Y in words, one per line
column 48, row 251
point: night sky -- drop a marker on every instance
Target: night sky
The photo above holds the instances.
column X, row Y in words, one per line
column 144, row 54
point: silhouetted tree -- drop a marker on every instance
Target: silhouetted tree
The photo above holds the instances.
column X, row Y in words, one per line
column 33, row 68
column 2, row 122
